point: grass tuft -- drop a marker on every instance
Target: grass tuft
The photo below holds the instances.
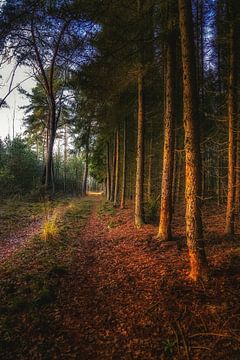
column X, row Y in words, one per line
column 50, row 229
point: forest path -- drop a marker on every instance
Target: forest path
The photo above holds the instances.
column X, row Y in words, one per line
column 104, row 290
column 117, row 280
column 130, row 297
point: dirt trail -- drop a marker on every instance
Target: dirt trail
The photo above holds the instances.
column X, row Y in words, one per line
column 115, row 282
column 130, row 298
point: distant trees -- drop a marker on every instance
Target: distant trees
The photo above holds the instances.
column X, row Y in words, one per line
column 19, row 168
column 44, row 36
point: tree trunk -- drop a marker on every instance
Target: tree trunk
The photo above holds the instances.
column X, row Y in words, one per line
column 139, row 160
column 139, row 212
column 149, row 180
column 123, row 192
column 51, row 138
column 232, row 119
column 85, row 175
column 113, row 168
column 194, row 231
column 65, row 158
column 108, row 192
column 237, row 195
column 116, row 185
column 164, row 232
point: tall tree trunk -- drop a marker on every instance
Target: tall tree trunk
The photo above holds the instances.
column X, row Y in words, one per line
column 116, row 187
column 51, row 138
column 113, row 168
column 164, row 232
column 232, row 116
column 194, row 231
column 237, row 195
column 65, row 158
column 123, row 191
column 85, row 175
column 140, row 151
column 139, row 215
column 150, row 161
column 108, row 192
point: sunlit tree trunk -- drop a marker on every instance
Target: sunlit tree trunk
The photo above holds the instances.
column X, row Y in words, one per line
column 139, row 216
column 164, row 232
column 194, row 231
column 232, row 116
column 123, row 191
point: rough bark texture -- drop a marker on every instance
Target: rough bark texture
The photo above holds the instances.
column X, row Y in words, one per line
column 194, row 231
column 164, row 232
column 232, row 119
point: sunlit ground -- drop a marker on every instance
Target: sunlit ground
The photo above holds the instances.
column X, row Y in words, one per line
column 94, row 193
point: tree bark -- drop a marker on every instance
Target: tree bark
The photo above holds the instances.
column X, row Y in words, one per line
column 85, row 175
column 194, row 230
column 164, row 232
column 113, row 169
column 51, row 138
column 123, row 192
column 108, row 173
column 116, row 185
column 232, row 118
column 139, row 212
column 139, row 160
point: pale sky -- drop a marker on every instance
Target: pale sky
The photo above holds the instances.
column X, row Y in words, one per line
column 14, row 100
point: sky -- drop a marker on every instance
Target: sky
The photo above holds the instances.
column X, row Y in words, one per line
column 14, row 100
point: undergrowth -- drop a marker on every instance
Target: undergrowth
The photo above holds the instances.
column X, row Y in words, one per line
column 106, row 208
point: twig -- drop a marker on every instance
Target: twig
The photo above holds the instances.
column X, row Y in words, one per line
column 186, row 347
column 209, row 334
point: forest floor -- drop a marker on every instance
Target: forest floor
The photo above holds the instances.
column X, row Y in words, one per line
column 100, row 289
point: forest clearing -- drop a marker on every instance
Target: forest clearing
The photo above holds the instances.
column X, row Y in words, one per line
column 120, row 179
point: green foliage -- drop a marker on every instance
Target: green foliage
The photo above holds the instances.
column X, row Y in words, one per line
column 106, row 208
column 19, row 167
column 152, row 210
column 169, row 346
